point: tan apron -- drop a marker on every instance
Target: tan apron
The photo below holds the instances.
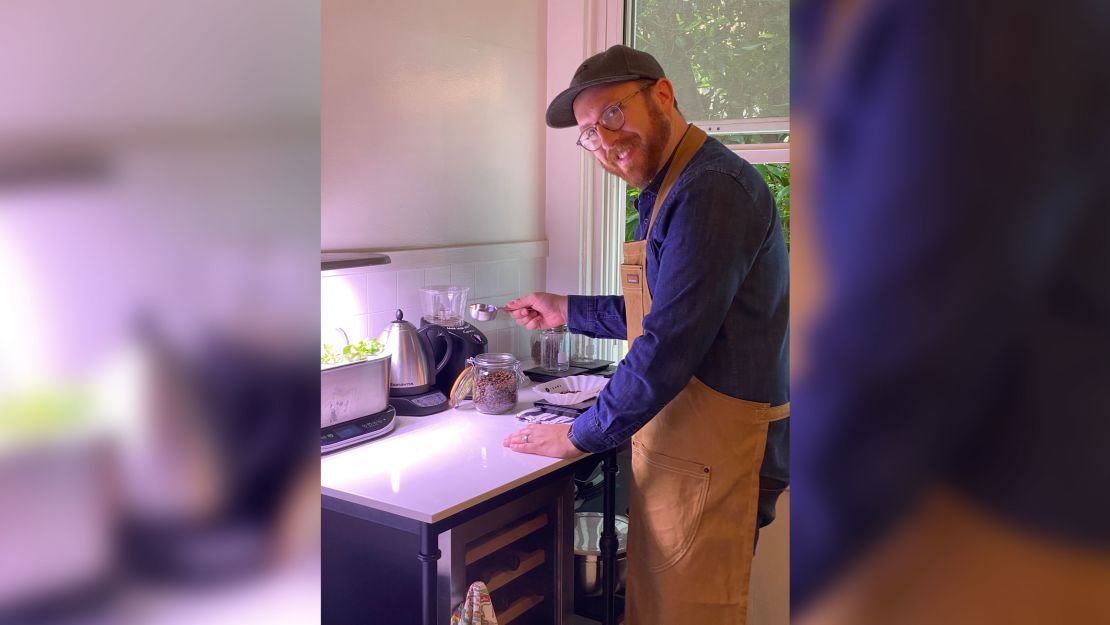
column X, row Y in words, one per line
column 695, row 478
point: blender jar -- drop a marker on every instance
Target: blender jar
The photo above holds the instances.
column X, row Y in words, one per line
column 443, row 305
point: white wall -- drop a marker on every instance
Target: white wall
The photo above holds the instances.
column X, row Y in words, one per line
column 432, row 129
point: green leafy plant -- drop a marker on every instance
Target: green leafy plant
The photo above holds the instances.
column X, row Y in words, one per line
column 354, row 352
column 777, row 176
column 728, row 59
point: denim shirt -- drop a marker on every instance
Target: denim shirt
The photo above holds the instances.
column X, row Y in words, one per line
column 718, row 271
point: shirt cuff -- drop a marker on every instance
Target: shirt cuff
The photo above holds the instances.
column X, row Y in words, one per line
column 581, row 314
column 570, row 437
column 585, row 433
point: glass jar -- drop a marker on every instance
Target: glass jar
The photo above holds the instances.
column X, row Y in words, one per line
column 492, row 380
column 554, row 349
column 583, row 350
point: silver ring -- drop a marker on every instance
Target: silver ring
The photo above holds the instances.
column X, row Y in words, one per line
column 525, row 438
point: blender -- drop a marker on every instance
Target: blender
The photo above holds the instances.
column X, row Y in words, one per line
column 445, row 306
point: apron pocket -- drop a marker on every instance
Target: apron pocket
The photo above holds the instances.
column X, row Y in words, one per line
column 666, row 506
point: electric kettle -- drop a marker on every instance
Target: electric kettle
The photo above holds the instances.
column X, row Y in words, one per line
column 411, row 371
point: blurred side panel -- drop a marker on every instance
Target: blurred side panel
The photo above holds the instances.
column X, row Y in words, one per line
column 952, row 313
column 159, row 241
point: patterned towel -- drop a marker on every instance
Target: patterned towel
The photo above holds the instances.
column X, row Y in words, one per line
column 537, row 415
column 476, row 609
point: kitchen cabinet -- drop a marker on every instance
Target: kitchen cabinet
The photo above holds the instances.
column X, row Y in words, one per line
column 410, row 519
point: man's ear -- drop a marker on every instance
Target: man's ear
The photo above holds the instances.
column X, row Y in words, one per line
column 663, row 92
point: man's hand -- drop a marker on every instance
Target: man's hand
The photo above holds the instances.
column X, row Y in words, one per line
column 543, row 440
column 538, row 310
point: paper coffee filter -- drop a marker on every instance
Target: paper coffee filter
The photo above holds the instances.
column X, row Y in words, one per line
column 572, row 390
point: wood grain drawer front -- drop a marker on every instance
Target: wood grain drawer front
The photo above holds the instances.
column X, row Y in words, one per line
column 519, row 607
column 528, row 562
column 488, row 544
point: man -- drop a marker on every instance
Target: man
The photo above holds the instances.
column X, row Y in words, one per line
column 705, row 312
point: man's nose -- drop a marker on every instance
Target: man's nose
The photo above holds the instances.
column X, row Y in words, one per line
column 605, row 136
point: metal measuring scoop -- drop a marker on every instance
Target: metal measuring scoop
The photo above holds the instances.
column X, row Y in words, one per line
column 482, row 312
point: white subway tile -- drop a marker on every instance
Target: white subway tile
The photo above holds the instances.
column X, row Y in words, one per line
column 537, row 274
column 408, row 293
column 508, row 277
column 381, row 288
column 379, row 321
column 464, row 275
column 437, row 276
column 342, row 296
column 488, row 278
column 501, row 341
column 522, row 344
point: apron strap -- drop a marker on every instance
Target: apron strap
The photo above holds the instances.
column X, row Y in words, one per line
column 774, row 413
column 637, row 295
column 691, row 142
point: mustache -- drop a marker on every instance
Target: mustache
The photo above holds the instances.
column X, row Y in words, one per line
column 611, row 154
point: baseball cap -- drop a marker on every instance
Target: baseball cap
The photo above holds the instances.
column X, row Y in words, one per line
column 617, row 64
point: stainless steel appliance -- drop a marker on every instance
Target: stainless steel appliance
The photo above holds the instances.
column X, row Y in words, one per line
column 413, row 372
column 353, row 403
column 587, row 553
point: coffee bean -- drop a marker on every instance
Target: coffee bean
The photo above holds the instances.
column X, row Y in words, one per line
column 495, row 392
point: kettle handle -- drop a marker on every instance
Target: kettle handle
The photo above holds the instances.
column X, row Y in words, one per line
column 429, row 332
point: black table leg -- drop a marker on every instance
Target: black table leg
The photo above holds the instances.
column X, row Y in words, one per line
column 429, row 554
column 609, row 536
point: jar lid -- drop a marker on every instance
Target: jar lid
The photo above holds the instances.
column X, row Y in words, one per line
column 495, row 359
column 556, row 330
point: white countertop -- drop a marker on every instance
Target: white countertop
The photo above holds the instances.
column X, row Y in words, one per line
column 431, row 467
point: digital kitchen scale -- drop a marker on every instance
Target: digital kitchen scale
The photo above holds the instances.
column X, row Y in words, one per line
column 355, row 431
column 597, row 367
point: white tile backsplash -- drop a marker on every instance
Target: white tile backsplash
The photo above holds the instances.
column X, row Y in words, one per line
column 341, row 297
column 381, row 288
column 408, row 293
column 533, row 276
column 487, row 279
column 378, row 321
column 437, row 276
column 464, row 275
column 501, row 340
column 508, row 277
column 363, row 301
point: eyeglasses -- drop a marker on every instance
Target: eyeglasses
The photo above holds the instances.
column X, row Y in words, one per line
column 612, row 118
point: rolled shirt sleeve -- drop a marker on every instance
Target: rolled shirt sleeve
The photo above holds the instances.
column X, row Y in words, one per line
column 599, row 317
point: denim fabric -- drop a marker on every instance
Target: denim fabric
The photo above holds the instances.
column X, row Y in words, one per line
column 718, row 271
